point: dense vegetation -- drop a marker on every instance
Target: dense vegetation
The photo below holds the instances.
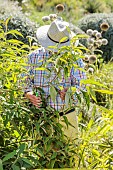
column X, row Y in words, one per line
column 29, row 142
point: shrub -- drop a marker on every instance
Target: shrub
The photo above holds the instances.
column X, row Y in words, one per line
column 93, row 21
column 96, row 6
column 18, row 20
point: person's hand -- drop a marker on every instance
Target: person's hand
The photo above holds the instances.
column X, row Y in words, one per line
column 36, row 101
column 63, row 93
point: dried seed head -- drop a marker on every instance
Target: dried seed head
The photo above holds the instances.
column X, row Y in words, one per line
column 104, row 41
column 45, row 18
column 98, row 35
column 90, row 70
column 95, row 32
column 89, row 32
column 86, row 58
column 96, row 45
column 90, row 41
column 92, row 59
column 52, row 16
column 104, row 26
column 99, row 42
column 60, row 8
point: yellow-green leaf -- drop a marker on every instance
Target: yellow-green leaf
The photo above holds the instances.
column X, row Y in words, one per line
column 63, row 39
column 104, row 91
column 53, row 93
column 14, row 32
column 90, row 81
column 41, row 68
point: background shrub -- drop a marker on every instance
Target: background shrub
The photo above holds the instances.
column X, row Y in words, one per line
column 96, row 6
column 93, row 21
column 19, row 21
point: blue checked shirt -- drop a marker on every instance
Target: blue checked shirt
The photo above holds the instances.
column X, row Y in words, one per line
column 39, row 78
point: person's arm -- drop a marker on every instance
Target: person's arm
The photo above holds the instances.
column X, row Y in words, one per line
column 29, row 81
column 36, row 101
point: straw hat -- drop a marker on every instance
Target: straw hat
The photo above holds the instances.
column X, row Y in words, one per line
column 53, row 34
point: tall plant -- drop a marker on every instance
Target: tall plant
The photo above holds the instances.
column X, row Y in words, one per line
column 30, row 138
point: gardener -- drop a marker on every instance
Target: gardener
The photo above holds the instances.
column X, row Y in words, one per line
column 50, row 35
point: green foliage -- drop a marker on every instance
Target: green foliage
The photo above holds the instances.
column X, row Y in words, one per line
column 93, row 21
column 18, row 20
column 95, row 149
column 73, row 11
column 43, row 7
column 95, row 123
column 98, row 138
column 96, row 6
column 29, row 137
column 105, row 98
column 32, row 138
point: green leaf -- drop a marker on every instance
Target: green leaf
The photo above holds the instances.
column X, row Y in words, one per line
column 25, row 109
column 53, row 93
column 15, row 32
column 16, row 133
column 16, row 127
column 95, row 152
column 39, row 152
column 37, row 125
column 52, row 162
column 14, row 167
column 1, row 166
column 67, row 98
column 8, row 55
column 13, row 41
column 92, row 93
column 66, row 120
column 7, row 20
column 81, row 36
column 21, row 148
column 104, row 91
column 9, row 155
column 66, row 71
column 63, row 60
column 90, row 81
column 54, row 155
column 41, row 68
column 63, row 39
column 90, row 124
column 103, row 130
column 27, row 161
column 106, row 110
column 87, row 98
column 25, row 46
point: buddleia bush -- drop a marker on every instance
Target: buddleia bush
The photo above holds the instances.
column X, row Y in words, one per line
column 94, row 21
column 18, row 20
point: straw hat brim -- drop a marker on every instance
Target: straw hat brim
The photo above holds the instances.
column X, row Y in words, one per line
column 46, row 42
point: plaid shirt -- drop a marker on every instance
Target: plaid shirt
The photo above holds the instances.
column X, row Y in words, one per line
column 39, row 78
